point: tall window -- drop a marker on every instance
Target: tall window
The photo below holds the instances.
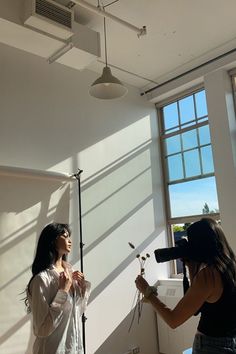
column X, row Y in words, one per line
column 190, row 186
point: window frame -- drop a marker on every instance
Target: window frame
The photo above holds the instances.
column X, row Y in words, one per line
column 170, row 221
column 232, row 74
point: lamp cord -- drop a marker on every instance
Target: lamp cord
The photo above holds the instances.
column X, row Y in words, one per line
column 105, row 32
column 105, row 39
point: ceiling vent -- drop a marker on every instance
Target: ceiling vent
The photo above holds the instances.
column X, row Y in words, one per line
column 49, row 17
column 50, row 36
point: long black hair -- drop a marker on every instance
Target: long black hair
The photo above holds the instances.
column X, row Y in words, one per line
column 210, row 246
column 46, row 252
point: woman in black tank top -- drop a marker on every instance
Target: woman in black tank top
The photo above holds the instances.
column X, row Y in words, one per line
column 212, row 272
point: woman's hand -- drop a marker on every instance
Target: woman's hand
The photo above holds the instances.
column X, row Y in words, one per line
column 79, row 277
column 65, row 281
column 141, row 284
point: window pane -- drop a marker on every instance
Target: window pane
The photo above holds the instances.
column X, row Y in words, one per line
column 201, row 105
column 207, row 159
column 186, row 108
column 189, row 198
column 175, row 167
column 204, row 135
column 189, row 139
column 173, row 144
column 192, row 163
column 170, row 113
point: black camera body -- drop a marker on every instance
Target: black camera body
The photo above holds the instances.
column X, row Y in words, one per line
column 182, row 250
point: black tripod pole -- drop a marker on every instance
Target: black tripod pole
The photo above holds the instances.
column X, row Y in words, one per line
column 77, row 176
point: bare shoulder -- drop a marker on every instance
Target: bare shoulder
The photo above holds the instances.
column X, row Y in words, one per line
column 209, row 278
column 207, row 274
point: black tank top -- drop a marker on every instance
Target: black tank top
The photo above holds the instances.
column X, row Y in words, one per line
column 218, row 319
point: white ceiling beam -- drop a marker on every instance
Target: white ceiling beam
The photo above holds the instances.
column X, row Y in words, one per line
column 101, row 12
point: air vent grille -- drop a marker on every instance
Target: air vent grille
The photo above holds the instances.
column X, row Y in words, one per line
column 53, row 12
column 170, row 292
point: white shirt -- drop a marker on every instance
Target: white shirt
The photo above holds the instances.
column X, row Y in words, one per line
column 56, row 314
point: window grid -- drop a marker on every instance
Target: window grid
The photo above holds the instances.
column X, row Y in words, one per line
column 185, row 129
column 166, row 132
column 182, row 152
column 188, row 123
column 179, row 129
column 199, row 151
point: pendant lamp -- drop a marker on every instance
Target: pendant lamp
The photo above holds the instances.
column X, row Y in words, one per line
column 107, row 86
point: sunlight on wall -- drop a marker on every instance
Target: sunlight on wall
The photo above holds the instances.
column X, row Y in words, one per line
column 111, row 306
column 117, row 178
column 110, row 252
column 120, row 204
column 66, row 166
column 113, row 203
column 114, row 148
column 117, row 197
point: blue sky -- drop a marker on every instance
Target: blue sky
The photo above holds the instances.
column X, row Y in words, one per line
column 188, row 198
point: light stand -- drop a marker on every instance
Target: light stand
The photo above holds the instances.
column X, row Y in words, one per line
column 77, row 176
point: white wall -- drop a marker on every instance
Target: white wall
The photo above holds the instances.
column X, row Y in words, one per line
column 49, row 122
column 27, row 204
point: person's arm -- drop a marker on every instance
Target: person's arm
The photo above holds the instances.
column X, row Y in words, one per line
column 79, row 282
column 194, row 298
column 46, row 316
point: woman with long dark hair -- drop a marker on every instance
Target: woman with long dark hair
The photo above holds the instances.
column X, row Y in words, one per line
column 56, row 295
column 212, row 271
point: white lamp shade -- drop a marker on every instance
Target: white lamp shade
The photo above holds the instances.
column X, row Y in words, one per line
column 107, row 86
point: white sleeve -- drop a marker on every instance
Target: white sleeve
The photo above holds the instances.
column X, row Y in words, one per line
column 46, row 316
column 82, row 296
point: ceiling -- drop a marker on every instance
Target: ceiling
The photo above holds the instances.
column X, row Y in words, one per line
column 181, row 34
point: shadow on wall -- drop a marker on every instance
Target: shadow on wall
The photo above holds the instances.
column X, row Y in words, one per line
column 118, row 204
column 144, row 330
column 121, row 267
column 26, row 206
column 121, row 202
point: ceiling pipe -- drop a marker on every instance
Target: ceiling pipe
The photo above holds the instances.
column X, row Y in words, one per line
column 60, row 52
column 210, row 61
column 100, row 11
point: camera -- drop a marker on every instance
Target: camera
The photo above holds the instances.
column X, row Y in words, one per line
column 182, row 250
